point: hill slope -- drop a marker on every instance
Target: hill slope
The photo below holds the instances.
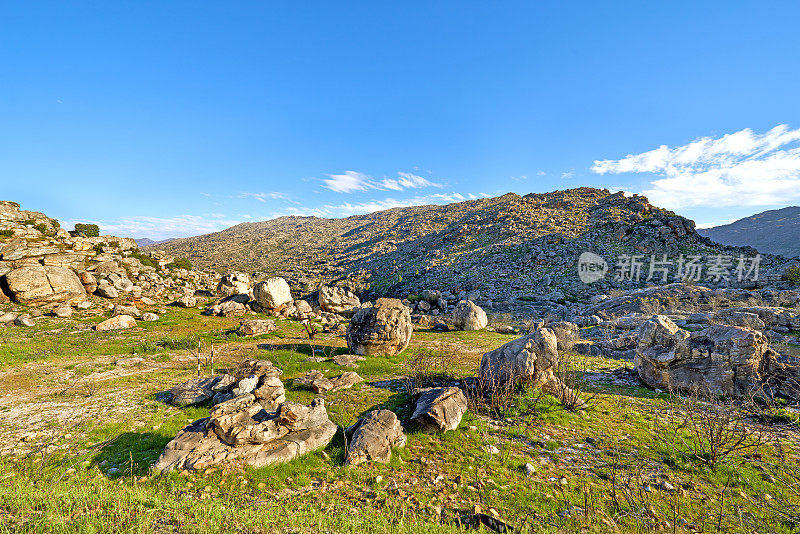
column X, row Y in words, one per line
column 771, row 232
column 502, row 246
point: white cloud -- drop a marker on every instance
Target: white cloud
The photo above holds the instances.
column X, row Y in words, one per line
column 158, row 228
column 347, row 209
column 262, row 197
column 355, row 181
column 566, row 175
column 736, row 169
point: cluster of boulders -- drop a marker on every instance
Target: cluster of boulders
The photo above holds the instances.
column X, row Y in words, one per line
column 53, row 270
column 251, row 423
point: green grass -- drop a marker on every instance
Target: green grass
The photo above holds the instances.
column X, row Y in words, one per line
column 98, row 479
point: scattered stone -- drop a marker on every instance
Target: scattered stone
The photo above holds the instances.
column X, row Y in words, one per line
column 120, row 322
column 347, row 360
column 529, row 470
column 63, row 312
column 106, row 290
column 317, row 381
column 373, row 436
column 255, row 327
column 384, row 328
column 24, row 320
column 439, row 409
column 186, row 301
column 567, row 334
column 505, row 329
column 8, row 317
column 491, row 449
column 469, row 316
column 193, row 391
column 149, row 317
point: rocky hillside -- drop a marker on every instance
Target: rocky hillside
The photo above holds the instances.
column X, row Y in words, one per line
column 507, row 247
column 772, row 232
column 43, row 265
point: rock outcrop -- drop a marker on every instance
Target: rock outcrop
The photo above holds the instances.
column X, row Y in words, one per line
column 469, row 316
column 41, row 284
column 383, row 328
column 241, row 431
column 372, row 438
column 338, row 300
column 720, row 360
column 258, row 377
column 532, row 359
column 233, row 283
column 118, row 322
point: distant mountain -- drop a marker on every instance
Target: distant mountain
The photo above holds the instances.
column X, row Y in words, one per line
column 772, row 232
column 145, row 242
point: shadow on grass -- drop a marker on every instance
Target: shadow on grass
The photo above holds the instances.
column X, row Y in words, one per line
column 131, row 453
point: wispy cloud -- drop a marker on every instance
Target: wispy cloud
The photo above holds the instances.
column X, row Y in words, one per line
column 347, row 209
column 352, row 181
column 568, row 174
column 158, row 228
column 741, row 168
column 262, row 197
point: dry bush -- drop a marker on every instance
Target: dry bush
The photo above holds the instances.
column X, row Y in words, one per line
column 571, row 388
column 708, row 430
column 429, row 367
column 650, row 306
column 495, row 398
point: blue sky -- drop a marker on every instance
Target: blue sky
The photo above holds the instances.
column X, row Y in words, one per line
column 163, row 119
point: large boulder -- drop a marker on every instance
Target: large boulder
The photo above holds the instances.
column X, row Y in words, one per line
column 338, row 300
column 439, row 409
column 469, row 316
column 233, row 283
column 373, row 436
column 720, row 360
column 383, row 328
column 531, row 358
column 37, row 284
column 120, row 322
column 272, row 293
column 241, row 431
column 255, row 327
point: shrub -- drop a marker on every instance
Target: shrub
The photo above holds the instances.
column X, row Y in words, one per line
column 793, row 273
column 41, row 227
column 145, row 259
column 181, row 263
column 98, row 248
column 89, row 230
column 6, row 233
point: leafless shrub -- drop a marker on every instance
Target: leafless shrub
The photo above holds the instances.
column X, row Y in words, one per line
column 571, row 387
column 650, row 306
column 427, row 367
column 706, row 429
column 714, row 302
column 782, row 505
column 488, row 394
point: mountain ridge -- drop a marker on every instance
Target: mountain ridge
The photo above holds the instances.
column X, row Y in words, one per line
column 772, row 231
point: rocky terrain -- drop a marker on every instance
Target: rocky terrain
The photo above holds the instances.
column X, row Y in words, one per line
column 507, row 248
column 772, row 232
column 45, row 266
column 137, row 395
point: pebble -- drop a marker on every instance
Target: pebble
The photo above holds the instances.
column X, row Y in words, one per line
column 491, row 449
column 529, row 470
